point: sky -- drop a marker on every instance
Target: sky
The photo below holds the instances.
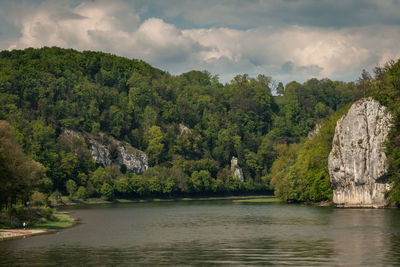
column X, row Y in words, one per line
column 285, row 39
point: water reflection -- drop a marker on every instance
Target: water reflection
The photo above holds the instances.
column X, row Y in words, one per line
column 215, row 233
column 362, row 236
column 248, row 252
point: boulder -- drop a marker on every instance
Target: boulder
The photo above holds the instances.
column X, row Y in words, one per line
column 357, row 162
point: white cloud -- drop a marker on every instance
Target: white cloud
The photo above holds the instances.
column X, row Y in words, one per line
column 158, row 41
column 286, row 53
column 311, row 52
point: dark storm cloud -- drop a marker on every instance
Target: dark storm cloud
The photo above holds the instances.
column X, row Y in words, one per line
column 279, row 13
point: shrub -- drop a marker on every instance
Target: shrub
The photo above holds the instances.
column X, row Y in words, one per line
column 71, row 187
column 38, row 199
column 81, row 193
column 107, row 191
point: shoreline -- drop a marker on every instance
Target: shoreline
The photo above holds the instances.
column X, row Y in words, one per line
column 96, row 201
column 10, row 234
column 63, row 221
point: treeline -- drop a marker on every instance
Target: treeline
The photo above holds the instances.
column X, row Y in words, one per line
column 158, row 182
column 385, row 87
column 44, row 91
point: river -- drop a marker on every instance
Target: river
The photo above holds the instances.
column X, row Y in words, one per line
column 209, row 233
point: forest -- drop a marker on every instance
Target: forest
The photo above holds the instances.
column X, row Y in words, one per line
column 266, row 125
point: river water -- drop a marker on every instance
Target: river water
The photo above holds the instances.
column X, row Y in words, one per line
column 209, row 233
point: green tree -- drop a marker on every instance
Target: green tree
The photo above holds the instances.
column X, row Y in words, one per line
column 202, row 182
column 169, row 186
column 18, row 173
column 38, row 199
column 156, row 146
column 81, row 193
column 70, row 185
column 107, row 191
column 97, row 179
column 386, row 89
column 122, row 186
column 280, row 89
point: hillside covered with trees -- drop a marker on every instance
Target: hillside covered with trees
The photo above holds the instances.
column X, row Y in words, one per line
column 45, row 91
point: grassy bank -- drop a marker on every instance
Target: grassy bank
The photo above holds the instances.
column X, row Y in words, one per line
column 55, row 222
column 62, row 220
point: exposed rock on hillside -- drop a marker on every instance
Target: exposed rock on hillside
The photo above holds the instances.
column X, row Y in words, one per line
column 184, row 129
column 134, row 159
column 99, row 152
column 314, row 132
column 357, row 162
column 236, row 170
column 112, row 152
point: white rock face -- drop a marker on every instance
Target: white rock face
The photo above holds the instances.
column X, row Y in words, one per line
column 135, row 160
column 236, row 170
column 184, row 129
column 357, row 162
column 99, row 152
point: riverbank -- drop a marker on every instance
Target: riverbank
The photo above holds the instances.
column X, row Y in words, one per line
column 7, row 234
column 93, row 201
column 62, row 220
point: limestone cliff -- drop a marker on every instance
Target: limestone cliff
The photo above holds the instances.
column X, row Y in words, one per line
column 134, row 159
column 357, row 162
column 107, row 150
column 236, row 170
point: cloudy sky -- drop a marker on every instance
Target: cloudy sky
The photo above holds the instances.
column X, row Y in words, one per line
column 285, row 39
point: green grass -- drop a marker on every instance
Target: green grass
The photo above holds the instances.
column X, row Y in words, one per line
column 259, row 200
column 62, row 221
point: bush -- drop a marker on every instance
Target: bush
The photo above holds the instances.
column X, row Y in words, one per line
column 122, row 186
column 56, row 196
column 107, row 191
column 38, row 199
column 81, row 193
column 71, row 187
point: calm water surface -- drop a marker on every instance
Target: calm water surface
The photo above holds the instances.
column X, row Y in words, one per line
column 207, row 233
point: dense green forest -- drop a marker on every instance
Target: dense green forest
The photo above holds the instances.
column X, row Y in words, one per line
column 45, row 91
column 385, row 87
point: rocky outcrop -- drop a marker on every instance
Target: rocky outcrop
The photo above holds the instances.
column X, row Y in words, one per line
column 107, row 151
column 184, row 129
column 134, row 159
column 314, row 132
column 357, row 162
column 236, row 170
column 99, row 152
